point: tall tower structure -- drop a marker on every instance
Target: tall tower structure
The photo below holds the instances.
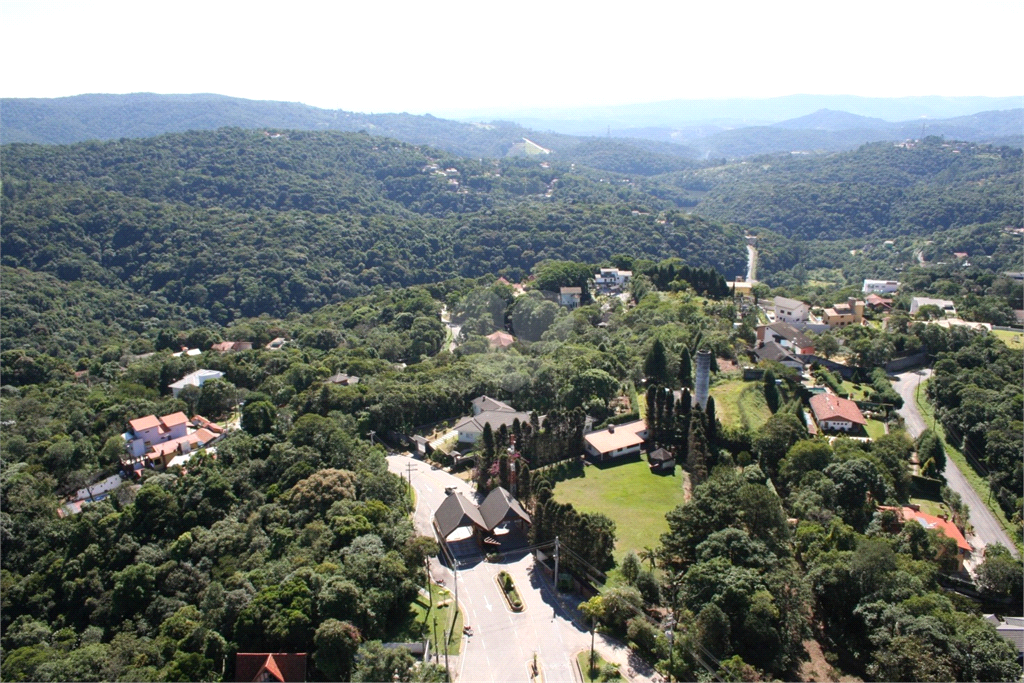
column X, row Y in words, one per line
column 703, row 378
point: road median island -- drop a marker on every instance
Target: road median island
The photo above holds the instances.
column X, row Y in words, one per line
column 508, row 590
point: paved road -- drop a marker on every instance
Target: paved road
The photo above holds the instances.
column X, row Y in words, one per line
column 986, row 528
column 503, row 642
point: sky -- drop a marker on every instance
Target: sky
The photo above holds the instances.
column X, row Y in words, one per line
column 457, row 56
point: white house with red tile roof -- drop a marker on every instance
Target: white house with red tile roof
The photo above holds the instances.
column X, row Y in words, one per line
column 617, row 441
column 149, row 431
column 153, row 441
column 908, row 514
column 833, row 413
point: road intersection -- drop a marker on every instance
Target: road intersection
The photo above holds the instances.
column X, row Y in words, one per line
column 504, row 643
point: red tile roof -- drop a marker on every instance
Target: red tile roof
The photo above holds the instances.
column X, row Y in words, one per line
column 141, row 423
column 177, row 418
column 932, row 522
column 282, row 666
column 830, row 407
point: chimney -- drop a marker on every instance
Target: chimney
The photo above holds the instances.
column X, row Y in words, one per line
column 611, row 430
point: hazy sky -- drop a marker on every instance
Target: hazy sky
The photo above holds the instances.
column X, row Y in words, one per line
column 445, row 56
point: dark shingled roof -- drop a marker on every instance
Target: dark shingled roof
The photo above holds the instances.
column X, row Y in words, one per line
column 499, row 507
column 457, row 511
column 660, row 455
column 790, row 333
column 774, row 351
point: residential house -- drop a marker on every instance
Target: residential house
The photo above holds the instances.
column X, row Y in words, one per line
column 616, row 442
column 195, row 379
column 343, row 379
column 185, row 351
column 661, row 461
column 791, row 310
column 843, row 315
column 1012, row 629
column 276, row 343
column 786, row 336
column 228, row 346
column 146, row 432
column 482, row 404
column 570, row 297
column 90, row 494
column 913, row 513
column 945, row 305
column 500, row 340
column 774, row 351
column 877, row 303
column 281, row 667
column 155, row 442
column 880, row 286
column 833, row 413
column 612, row 279
column 487, row 410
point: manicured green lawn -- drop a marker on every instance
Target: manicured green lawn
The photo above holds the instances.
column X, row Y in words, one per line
column 634, row 498
column 740, row 403
column 855, row 394
column 1015, row 340
column 591, row 676
column 419, row 622
column 875, row 429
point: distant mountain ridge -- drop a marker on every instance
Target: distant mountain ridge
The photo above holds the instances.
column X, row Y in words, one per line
column 641, row 151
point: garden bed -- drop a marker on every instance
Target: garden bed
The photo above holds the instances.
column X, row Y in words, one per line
column 602, row 670
column 508, row 589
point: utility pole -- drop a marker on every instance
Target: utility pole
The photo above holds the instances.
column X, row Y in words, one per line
column 556, row 565
column 372, row 434
column 671, row 634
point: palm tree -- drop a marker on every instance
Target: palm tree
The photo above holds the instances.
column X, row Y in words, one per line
column 648, row 555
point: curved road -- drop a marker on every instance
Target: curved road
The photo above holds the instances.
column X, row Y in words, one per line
column 503, row 642
column 987, row 528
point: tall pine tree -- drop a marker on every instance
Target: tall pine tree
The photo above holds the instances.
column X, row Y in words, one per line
column 685, row 368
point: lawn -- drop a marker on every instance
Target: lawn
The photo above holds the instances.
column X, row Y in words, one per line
column 855, row 394
column 739, row 403
column 634, row 498
column 1015, row 340
column 419, row 622
column 875, row 429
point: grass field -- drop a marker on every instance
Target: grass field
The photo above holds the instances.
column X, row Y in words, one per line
column 1015, row 340
column 740, row 403
column 631, row 496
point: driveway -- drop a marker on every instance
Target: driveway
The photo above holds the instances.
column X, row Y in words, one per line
column 503, row 642
column 986, row 528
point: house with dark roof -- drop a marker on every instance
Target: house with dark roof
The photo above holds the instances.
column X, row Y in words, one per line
column 833, row 413
column 487, row 410
column 270, row 666
column 485, row 403
column 774, row 351
column 458, row 518
column 786, row 336
column 661, row 461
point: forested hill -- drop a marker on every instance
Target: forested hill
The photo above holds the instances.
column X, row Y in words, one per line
column 881, row 189
column 236, row 223
column 68, row 120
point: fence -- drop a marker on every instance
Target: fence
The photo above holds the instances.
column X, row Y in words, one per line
column 900, row 364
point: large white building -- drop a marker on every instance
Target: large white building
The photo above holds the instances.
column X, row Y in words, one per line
column 945, row 305
column 791, row 310
column 195, row 379
column 617, row 441
column 880, row 286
